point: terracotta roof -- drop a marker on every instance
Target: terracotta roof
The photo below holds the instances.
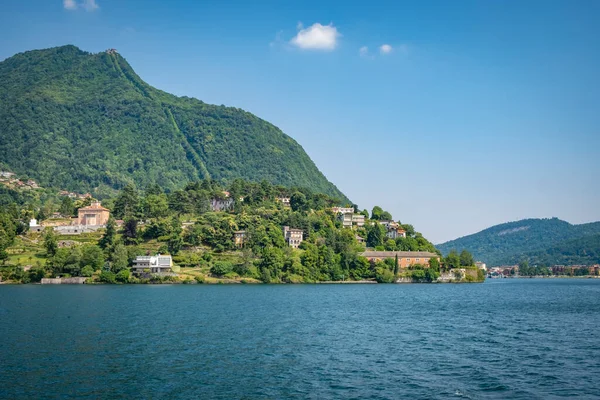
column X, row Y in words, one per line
column 93, row 208
column 400, row 254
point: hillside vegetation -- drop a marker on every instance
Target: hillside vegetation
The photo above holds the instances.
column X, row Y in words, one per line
column 185, row 224
column 551, row 241
column 87, row 122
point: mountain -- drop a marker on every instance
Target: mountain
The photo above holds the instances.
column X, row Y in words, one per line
column 547, row 241
column 87, row 122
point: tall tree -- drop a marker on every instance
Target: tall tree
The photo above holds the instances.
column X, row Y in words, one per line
column 127, row 203
column 130, row 231
column 50, row 242
column 466, row 259
column 375, row 235
column 107, row 241
column 298, row 201
column 66, row 206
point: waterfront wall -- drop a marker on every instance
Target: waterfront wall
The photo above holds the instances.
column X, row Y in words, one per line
column 63, row 281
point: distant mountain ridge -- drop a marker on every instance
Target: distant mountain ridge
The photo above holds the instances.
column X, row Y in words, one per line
column 87, row 122
column 540, row 241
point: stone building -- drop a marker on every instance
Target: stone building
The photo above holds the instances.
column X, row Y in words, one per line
column 293, row 236
column 93, row 215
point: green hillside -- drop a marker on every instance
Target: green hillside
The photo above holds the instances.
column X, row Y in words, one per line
column 581, row 251
column 87, row 122
column 548, row 241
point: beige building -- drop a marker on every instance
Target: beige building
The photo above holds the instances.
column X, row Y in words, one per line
column 293, row 236
column 94, row 215
column 239, row 238
column 405, row 258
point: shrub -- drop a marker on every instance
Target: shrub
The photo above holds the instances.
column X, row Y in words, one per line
column 384, row 275
column 107, row 277
column 221, row 268
column 123, row 276
column 87, row 271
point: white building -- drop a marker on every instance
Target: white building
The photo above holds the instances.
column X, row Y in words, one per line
column 348, row 218
column 34, row 226
column 342, row 210
column 159, row 264
column 221, row 204
column 284, row 200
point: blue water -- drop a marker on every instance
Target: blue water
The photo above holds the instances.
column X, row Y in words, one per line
column 501, row 339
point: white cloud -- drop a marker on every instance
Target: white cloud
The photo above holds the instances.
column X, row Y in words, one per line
column 316, row 37
column 363, row 51
column 88, row 5
column 69, row 4
column 385, row 49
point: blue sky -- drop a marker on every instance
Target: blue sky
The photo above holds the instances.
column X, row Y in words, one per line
column 452, row 115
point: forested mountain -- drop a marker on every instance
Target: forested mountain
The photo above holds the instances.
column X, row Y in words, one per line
column 547, row 241
column 86, row 122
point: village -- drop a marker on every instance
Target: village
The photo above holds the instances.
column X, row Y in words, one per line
column 94, row 218
column 91, row 218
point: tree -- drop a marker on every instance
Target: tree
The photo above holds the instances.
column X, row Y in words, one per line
column 107, row 277
column 396, row 266
column 130, row 231
column 221, row 268
column 375, row 235
column 66, row 206
column 123, row 276
column 107, row 241
column 155, row 206
column 127, row 202
column 50, row 242
column 466, row 259
column 298, row 201
column 434, row 264
column 386, row 216
column 87, row 271
column 120, row 258
column 376, row 213
column 93, row 256
column 174, row 244
column 452, row 260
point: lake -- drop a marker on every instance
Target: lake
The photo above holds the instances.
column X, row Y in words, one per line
column 511, row 338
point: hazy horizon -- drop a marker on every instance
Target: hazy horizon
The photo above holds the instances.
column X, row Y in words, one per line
column 453, row 117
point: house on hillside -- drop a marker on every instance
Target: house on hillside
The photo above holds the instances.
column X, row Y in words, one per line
column 93, row 215
column 34, row 226
column 224, row 203
column 348, row 217
column 239, row 238
column 293, row 236
column 393, row 229
column 283, row 200
column 155, row 265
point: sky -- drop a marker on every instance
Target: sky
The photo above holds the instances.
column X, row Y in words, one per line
column 452, row 115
